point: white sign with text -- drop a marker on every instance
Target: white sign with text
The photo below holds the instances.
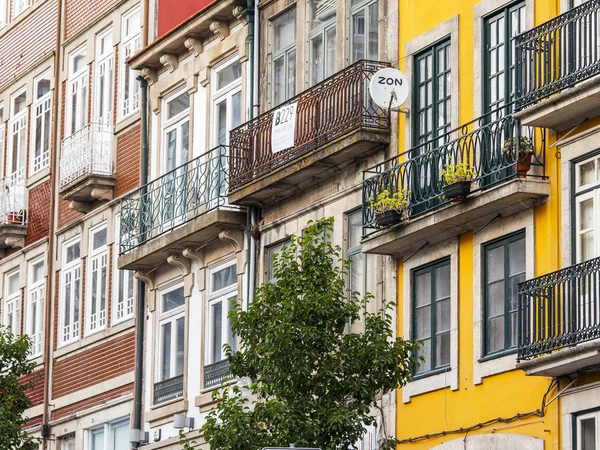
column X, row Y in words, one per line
column 283, row 131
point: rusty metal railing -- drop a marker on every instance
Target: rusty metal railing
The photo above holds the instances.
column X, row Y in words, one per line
column 325, row 112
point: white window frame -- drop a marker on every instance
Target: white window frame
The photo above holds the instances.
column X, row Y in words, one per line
column 577, row 422
column 42, row 107
column 18, row 131
column 67, row 442
column 222, row 296
column 107, row 429
column 121, row 310
column 175, row 123
column 589, row 191
column 96, row 320
column 3, row 13
column 77, row 86
column 72, row 269
column 284, row 53
column 2, row 132
column 165, row 317
column 225, row 93
column 12, row 303
column 322, row 30
column 19, row 6
column 36, row 295
column 130, row 44
column 105, row 63
column 365, row 6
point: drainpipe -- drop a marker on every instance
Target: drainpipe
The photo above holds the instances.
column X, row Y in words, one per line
column 141, row 303
column 253, row 50
column 50, row 264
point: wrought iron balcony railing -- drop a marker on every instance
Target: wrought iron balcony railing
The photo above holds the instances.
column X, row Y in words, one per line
column 493, row 146
column 560, row 309
column 87, row 152
column 185, row 193
column 325, row 112
column 215, row 373
column 12, row 199
column 558, row 53
column 167, row 390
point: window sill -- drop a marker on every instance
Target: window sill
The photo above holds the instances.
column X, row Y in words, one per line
column 73, row 346
column 163, row 412
column 126, row 121
column 429, row 382
column 430, row 373
column 37, row 177
column 492, row 356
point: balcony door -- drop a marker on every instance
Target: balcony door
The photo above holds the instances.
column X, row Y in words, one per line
column 176, row 136
column 226, row 115
column 500, row 30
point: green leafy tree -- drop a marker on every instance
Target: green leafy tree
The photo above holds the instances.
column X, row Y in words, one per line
column 14, row 364
column 314, row 384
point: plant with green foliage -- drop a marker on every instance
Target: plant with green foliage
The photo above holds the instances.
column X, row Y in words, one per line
column 398, row 201
column 14, row 365
column 457, row 172
column 313, row 383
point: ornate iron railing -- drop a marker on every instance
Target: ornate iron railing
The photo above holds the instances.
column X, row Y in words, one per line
column 558, row 53
column 87, row 152
column 326, row 111
column 167, row 390
column 492, row 146
column 187, row 192
column 560, row 309
column 215, row 373
column 12, row 199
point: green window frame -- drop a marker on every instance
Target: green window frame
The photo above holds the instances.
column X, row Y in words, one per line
column 499, row 29
column 431, row 315
column 283, row 56
column 504, row 266
column 432, row 93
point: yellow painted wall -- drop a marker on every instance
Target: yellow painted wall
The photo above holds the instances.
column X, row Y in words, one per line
column 507, row 394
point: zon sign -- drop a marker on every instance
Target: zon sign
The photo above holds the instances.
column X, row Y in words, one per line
column 389, row 88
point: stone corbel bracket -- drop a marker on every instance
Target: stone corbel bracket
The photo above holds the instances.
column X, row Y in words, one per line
column 170, row 61
column 181, row 263
column 149, row 75
column 102, row 193
column 239, row 12
column 238, row 247
column 149, row 282
column 194, row 46
column 220, row 29
column 198, row 257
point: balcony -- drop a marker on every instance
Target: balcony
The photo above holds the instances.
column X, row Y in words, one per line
column 508, row 178
column 167, row 390
column 335, row 122
column 215, row 373
column 559, row 321
column 13, row 215
column 185, row 208
column 86, row 166
column 558, row 69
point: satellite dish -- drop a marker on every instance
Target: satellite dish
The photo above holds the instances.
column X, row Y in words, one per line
column 389, row 88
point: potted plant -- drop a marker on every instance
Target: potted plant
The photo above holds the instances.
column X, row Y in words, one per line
column 390, row 208
column 457, row 179
column 525, row 153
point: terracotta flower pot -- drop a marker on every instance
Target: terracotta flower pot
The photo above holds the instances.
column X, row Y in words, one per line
column 524, row 163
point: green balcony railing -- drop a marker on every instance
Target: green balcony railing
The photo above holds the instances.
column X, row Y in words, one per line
column 181, row 195
column 489, row 145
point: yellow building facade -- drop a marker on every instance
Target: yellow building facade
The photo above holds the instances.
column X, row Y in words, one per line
column 501, row 284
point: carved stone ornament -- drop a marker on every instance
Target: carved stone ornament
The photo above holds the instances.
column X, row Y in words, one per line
column 169, row 61
column 194, row 46
column 149, row 75
column 181, row 263
column 239, row 12
column 220, row 29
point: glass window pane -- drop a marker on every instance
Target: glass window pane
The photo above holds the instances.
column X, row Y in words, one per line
column 178, row 105
column 442, row 281
column 13, row 283
column 358, row 35
column 588, row 434
column 180, row 346
column 217, row 326
column 72, row 252
column 166, row 352
column 516, row 257
column 587, row 172
column 119, row 436
column 423, row 322
column 230, row 336
column 423, row 289
column 99, row 239
column 495, row 332
column 495, row 299
column 587, row 246
column 356, row 273
column 495, row 264
column 279, row 81
column 224, row 277
column 284, row 30
column 43, row 87
column 173, row 299
column 354, row 229
column 442, row 319
column 373, row 38
column 317, row 62
column 586, row 214
column 320, row 12
column 97, row 439
column 229, row 74
column 425, row 352
column 442, row 350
